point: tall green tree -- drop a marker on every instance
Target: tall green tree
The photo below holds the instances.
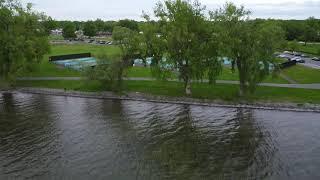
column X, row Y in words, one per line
column 23, row 39
column 310, row 30
column 128, row 41
column 250, row 46
column 69, row 30
column 153, row 46
column 130, row 24
column 90, row 29
column 190, row 44
column 99, row 24
column 49, row 24
column 109, row 26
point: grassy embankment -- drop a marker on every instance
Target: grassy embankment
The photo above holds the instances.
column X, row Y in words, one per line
column 302, row 74
column 200, row 90
column 224, row 92
column 312, row 49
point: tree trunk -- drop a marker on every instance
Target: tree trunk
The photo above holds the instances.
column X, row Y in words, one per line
column 242, row 89
column 242, row 86
column 188, row 87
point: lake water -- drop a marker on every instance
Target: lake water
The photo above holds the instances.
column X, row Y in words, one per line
column 52, row 137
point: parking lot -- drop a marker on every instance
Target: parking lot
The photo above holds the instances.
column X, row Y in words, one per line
column 308, row 60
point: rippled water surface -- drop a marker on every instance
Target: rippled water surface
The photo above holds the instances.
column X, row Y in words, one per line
column 51, row 137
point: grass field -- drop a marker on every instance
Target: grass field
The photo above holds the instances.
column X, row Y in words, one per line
column 46, row 69
column 200, row 90
column 55, row 37
column 302, row 74
column 312, row 49
column 226, row 74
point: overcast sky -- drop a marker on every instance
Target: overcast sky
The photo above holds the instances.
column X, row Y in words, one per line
column 132, row 9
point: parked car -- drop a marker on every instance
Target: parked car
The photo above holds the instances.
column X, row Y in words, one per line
column 304, row 55
column 316, row 59
column 296, row 54
column 102, row 42
column 298, row 59
column 294, row 58
column 287, row 52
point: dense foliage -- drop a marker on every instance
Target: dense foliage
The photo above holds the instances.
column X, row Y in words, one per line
column 69, row 31
column 300, row 30
column 23, row 39
column 249, row 45
column 90, row 28
column 191, row 47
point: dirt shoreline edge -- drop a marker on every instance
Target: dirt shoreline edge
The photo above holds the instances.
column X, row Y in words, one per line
column 171, row 100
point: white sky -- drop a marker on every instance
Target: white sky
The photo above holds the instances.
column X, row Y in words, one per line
column 132, row 9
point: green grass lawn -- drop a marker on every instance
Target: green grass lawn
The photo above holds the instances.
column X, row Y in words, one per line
column 303, row 74
column 47, row 69
column 200, row 90
column 312, row 49
column 226, row 74
column 55, row 37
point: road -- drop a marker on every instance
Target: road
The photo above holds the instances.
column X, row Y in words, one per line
column 296, row 86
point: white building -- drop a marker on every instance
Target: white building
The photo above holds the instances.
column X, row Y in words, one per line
column 56, row 32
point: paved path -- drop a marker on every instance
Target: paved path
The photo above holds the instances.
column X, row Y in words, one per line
column 297, row 86
column 291, row 81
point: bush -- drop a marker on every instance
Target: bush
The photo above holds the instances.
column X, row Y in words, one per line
column 109, row 71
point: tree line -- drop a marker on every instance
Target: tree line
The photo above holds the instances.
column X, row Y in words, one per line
column 186, row 40
column 300, row 30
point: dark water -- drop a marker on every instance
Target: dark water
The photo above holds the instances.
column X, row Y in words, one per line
column 49, row 137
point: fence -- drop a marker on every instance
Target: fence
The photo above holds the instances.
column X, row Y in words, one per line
column 69, row 56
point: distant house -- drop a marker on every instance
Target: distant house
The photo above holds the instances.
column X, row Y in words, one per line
column 56, row 32
column 79, row 34
column 104, row 34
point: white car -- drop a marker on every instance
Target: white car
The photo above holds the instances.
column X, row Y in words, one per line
column 282, row 56
column 298, row 59
column 295, row 59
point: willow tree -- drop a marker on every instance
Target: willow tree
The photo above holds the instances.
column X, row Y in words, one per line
column 188, row 40
column 250, row 46
column 23, row 40
column 153, row 46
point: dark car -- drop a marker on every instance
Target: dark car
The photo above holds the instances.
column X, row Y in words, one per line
column 297, row 54
column 316, row 59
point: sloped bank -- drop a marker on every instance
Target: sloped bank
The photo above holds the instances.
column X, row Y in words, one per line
column 173, row 100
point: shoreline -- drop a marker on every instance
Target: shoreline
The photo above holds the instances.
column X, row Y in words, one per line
column 130, row 96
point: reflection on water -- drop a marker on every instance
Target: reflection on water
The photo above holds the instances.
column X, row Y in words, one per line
column 49, row 137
